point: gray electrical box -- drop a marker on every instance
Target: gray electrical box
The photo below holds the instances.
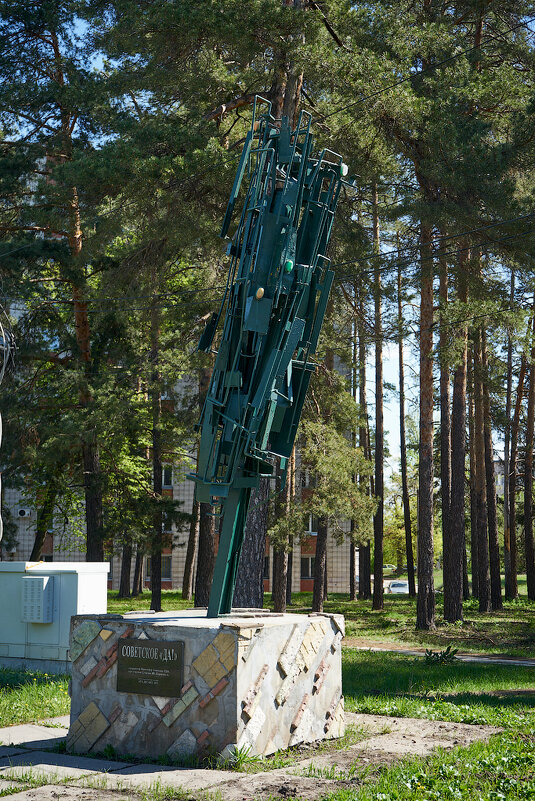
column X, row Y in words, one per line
column 37, row 599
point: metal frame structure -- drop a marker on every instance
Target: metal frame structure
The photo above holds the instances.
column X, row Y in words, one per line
column 274, row 303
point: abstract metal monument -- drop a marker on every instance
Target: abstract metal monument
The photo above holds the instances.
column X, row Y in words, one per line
column 275, row 299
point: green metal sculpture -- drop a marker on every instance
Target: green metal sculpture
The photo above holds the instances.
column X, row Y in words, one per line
column 275, row 300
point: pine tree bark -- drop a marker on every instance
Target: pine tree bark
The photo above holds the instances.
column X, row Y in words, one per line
column 289, row 571
column 280, row 554
column 191, row 552
column 249, row 590
column 280, row 574
column 473, row 480
column 481, row 488
column 137, row 583
column 515, row 425
column 365, row 586
column 528, row 475
column 403, row 450
column 445, row 446
column 494, row 548
column 425, row 606
column 509, row 589
column 126, row 565
column 320, row 566
column 206, row 555
column 378, row 518
column 453, row 576
column 156, row 409
column 45, row 517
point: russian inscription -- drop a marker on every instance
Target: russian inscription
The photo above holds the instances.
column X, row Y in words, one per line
column 150, row 667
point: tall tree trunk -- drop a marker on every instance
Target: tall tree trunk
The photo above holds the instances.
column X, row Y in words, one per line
column 280, row 576
column 45, row 516
column 289, row 571
column 481, row 488
column 352, row 565
column 528, row 474
column 494, row 548
column 191, row 552
column 365, row 581
column 403, row 450
column 473, row 480
column 425, row 606
column 206, row 554
column 137, row 583
column 445, row 439
column 378, row 518
column 466, row 582
column 320, row 566
column 453, row 576
column 156, row 409
column 249, row 590
column 509, row 589
column 126, row 565
column 280, row 554
column 515, row 425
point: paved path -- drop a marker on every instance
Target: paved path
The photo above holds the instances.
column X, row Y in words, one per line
column 32, row 754
column 483, row 659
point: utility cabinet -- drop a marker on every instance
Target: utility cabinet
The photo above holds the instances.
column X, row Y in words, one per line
column 37, row 601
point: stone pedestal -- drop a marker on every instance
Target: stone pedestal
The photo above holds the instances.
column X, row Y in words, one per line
column 257, row 680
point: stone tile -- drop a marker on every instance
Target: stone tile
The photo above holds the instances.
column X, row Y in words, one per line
column 82, row 636
column 181, row 705
column 86, row 730
column 183, row 746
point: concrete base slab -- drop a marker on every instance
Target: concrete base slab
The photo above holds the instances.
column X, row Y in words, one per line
column 11, row 750
column 64, row 793
column 192, row 685
column 61, row 721
column 57, row 767
column 7, row 785
column 32, row 735
column 146, row 777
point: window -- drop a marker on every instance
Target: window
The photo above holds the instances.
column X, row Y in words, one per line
column 167, row 476
column 313, row 522
column 307, row 567
column 166, row 567
column 266, row 567
column 308, row 478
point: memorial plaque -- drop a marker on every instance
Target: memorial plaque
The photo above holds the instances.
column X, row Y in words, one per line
column 150, row 667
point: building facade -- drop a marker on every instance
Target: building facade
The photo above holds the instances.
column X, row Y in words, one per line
column 62, row 544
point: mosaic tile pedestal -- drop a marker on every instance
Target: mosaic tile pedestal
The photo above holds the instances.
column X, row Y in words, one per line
column 252, row 679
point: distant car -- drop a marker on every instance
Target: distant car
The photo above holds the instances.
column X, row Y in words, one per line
column 398, row 587
column 389, row 567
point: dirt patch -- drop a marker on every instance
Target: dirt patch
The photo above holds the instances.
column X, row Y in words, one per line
column 386, row 741
column 316, row 772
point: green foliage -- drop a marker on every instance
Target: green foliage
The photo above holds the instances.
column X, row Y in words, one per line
column 445, row 657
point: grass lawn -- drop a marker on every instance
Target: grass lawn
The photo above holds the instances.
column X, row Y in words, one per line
column 385, row 684
column 511, row 631
column 27, row 696
column 498, row 695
